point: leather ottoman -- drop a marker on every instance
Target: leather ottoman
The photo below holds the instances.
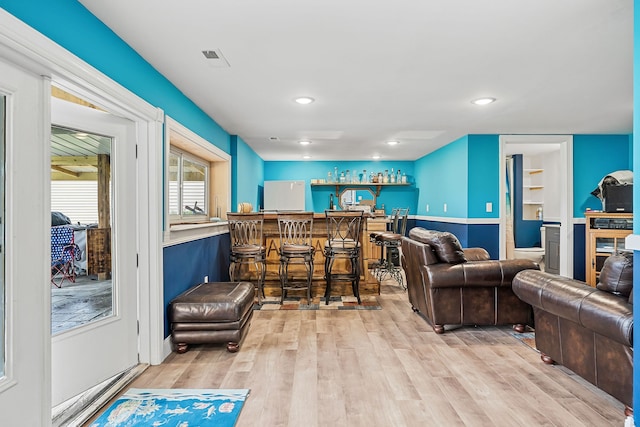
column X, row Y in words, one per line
column 212, row 313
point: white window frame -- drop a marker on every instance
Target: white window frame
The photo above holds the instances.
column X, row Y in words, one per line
column 177, row 136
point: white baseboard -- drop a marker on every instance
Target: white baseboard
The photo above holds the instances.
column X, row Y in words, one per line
column 166, row 347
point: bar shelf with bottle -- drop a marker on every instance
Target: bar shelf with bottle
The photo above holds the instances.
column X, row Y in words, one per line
column 373, row 179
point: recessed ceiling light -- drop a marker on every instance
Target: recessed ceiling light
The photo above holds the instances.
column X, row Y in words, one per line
column 304, row 100
column 304, row 142
column 375, row 156
column 392, row 142
column 483, row 101
column 306, row 157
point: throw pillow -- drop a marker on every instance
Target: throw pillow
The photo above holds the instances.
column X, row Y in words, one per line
column 445, row 245
column 616, row 275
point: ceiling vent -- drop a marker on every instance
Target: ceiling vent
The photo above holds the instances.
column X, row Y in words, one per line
column 210, row 54
column 215, row 58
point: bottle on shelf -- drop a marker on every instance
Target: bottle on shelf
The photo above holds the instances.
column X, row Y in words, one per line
column 342, row 178
column 385, row 177
column 365, row 177
column 329, row 177
column 398, row 177
column 348, row 177
column 404, row 178
column 392, row 178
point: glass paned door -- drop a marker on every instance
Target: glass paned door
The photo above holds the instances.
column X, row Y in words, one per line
column 93, row 163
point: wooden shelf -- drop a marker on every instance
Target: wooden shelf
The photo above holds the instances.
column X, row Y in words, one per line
column 600, row 243
column 378, row 186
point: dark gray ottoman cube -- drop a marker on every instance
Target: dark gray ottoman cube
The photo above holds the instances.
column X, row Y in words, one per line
column 211, row 313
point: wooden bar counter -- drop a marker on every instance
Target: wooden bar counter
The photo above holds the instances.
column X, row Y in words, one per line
column 369, row 253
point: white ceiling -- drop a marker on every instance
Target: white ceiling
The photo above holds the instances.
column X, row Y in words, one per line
column 380, row 70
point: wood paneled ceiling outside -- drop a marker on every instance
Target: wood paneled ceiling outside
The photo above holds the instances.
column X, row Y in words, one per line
column 74, row 154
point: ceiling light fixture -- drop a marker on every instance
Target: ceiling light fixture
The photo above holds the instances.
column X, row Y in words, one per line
column 304, row 142
column 393, row 142
column 375, row 156
column 306, row 157
column 304, row 100
column 483, row 101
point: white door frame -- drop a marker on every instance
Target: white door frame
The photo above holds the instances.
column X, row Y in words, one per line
column 566, row 193
column 24, row 46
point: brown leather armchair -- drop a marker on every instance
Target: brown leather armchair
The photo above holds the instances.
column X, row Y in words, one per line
column 589, row 330
column 449, row 285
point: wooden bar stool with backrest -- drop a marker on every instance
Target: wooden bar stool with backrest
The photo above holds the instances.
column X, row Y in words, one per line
column 296, row 247
column 247, row 246
column 343, row 242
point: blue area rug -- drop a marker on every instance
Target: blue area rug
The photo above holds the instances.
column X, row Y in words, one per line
column 174, row 407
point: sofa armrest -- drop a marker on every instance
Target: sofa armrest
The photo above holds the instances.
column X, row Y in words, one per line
column 476, row 254
column 599, row 311
column 490, row 273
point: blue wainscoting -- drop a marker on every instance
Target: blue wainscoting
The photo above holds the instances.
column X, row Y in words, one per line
column 470, row 235
column 579, row 248
column 186, row 265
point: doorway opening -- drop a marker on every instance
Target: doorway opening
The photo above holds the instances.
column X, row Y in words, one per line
column 537, row 197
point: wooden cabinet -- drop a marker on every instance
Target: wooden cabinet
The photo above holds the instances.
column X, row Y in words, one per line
column 552, row 249
column 605, row 235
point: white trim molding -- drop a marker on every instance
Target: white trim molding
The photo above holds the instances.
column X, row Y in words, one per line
column 452, row 220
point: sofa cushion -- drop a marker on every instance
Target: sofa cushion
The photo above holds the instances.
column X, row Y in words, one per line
column 616, row 275
column 446, row 245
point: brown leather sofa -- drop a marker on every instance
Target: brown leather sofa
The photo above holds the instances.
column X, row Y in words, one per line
column 589, row 330
column 449, row 285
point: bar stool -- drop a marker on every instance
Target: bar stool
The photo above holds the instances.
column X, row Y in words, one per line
column 296, row 247
column 343, row 242
column 390, row 242
column 245, row 231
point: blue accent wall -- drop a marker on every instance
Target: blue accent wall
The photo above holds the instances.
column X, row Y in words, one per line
column 470, row 235
column 442, row 177
column 186, row 265
column 247, row 172
column 484, row 175
column 579, row 250
column 594, row 157
column 636, row 199
column 317, row 198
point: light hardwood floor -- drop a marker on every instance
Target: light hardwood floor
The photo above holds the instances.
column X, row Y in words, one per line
column 386, row 368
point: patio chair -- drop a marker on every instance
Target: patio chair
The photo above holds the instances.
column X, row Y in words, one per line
column 63, row 251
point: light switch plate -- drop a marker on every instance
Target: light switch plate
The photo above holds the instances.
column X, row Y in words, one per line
column 489, row 207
